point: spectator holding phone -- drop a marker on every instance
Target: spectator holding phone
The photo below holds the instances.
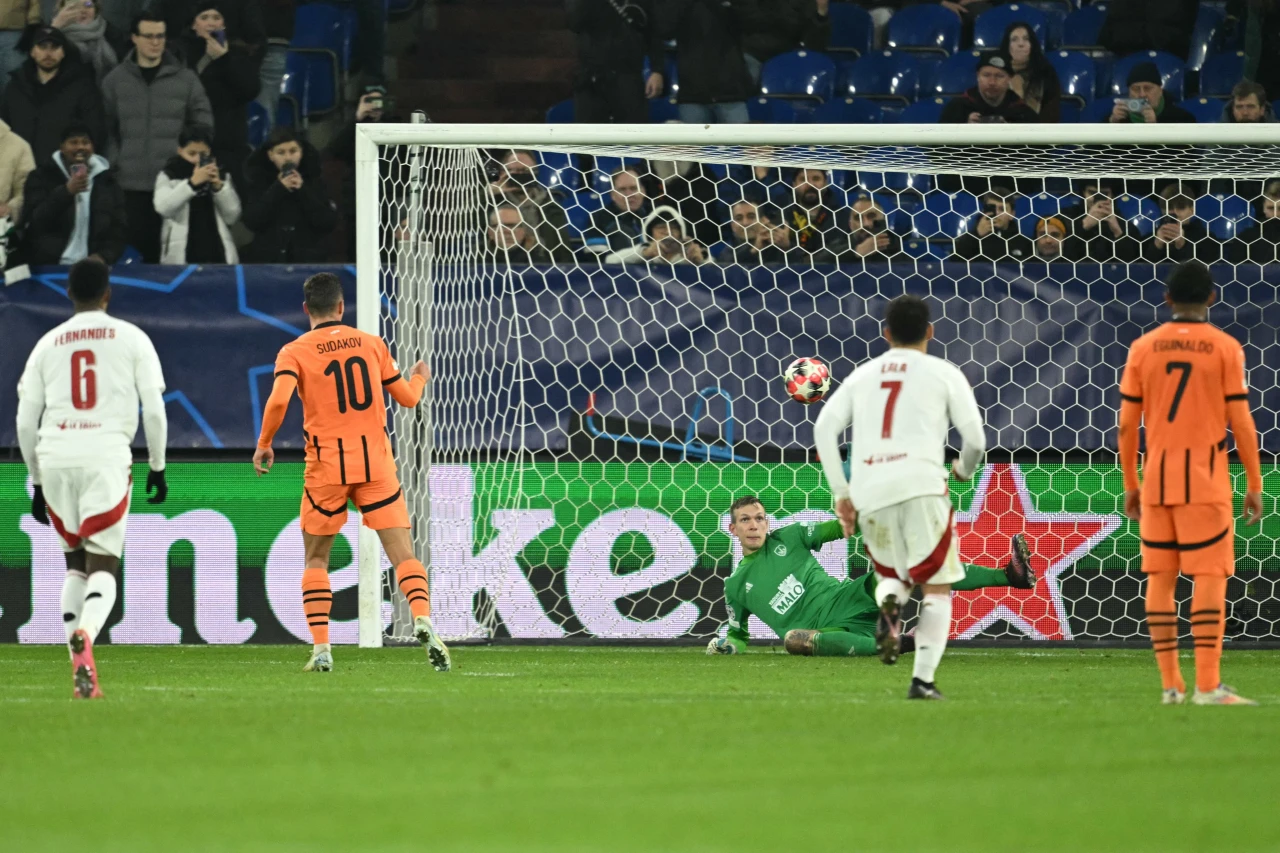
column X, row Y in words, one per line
column 1260, row 242
column 1095, row 231
column 230, row 79
column 75, row 209
column 993, row 234
column 81, row 23
column 372, row 108
column 757, row 236
column 1179, row 236
column 869, row 236
column 991, row 100
column 1147, row 103
column 285, row 204
column 197, row 203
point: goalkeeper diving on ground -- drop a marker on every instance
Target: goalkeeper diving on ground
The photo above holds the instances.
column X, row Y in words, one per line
column 779, row 580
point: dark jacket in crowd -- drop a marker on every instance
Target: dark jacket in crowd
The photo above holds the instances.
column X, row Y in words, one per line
column 39, row 112
column 771, row 27
column 288, row 227
column 818, row 229
column 1199, row 245
column 1099, row 245
column 144, row 120
column 709, row 50
column 610, row 43
column 693, row 194
column 1259, row 244
column 519, row 256
column 1005, row 245
column 620, row 229
column 747, row 255
column 243, row 18
column 1134, row 25
column 49, row 215
column 1012, row 109
column 231, row 83
column 278, row 19
column 845, row 254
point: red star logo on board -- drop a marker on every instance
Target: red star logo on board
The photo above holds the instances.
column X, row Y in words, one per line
column 1001, row 507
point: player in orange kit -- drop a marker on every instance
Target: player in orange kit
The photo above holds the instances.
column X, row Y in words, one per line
column 340, row 373
column 1185, row 381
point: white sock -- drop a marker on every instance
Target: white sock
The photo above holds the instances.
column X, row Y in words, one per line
column 891, row 586
column 931, row 634
column 99, row 598
column 73, row 585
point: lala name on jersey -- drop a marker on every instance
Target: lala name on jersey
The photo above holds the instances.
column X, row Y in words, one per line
column 339, row 344
column 893, row 367
column 75, row 336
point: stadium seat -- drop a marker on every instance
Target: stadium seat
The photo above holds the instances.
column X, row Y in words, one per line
column 289, row 113
column 927, row 29
column 672, row 78
column 662, row 110
column 764, row 110
column 1058, row 8
column 883, row 75
column 1080, row 29
column 799, row 74
column 944, row 215
column 561, row 113
column 1224, row 214
column 602, row 175
column 1069, row 112
column 1221, row 72
column 326, row 26
column 1096, row 111
column 1206, row 110
column 953, row 75
column 894, row 181
column 1170, row 71
column 312, row 77
column 988, row 30
column 923, row 111
column 1142, row 212
column 1076, row 74
column 852, row 29
column 559, row 171
column 1205, row 36
column 257, row 124
column 847, row 111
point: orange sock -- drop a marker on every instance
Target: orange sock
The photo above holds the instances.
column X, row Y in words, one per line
column 412, row 577
column 1208, row 618
column 317, row 599
column 1162, row 624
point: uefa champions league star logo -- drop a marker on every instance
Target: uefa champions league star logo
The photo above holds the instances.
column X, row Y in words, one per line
column 1001, row 507
column 780, row 550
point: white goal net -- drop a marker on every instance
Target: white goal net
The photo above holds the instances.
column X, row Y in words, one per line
column 607, row 312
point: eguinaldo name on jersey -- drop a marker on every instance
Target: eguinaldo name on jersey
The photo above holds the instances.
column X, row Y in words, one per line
column 903, row 405
column 87, row 372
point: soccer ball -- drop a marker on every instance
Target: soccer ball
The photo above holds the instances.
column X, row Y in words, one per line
column 808, row 380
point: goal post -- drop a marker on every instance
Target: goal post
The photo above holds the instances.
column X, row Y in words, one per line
column 603, row 387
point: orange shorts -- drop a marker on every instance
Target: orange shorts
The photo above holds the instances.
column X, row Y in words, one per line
column 1195, row 539
column 381, row 503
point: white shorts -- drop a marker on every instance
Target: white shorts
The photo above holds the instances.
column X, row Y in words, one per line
column 89, row 507
column 913, row 541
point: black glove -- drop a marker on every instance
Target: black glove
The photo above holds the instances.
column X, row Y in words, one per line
column 155, row 480
column 38, row 511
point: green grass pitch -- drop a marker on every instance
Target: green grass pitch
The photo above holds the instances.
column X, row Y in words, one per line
column 588, row 749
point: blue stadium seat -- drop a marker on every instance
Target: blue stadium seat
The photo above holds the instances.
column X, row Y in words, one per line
column 1205, row 36
column 927, row 28
column 1069, row 112
column 561, row 113
column 559, row 171
column 923, row 111
column 1080, row 29
column 989, row 29
column 289, row 113
column 258, row 124
column 1142, row 212
column 1096, row 111
column 953, row 75
column 883, row 75
column 1224, row 214
column 1206, row 110
column 662, row 110
column 312, row 77
column 1170, row 71
column 895, row 181
column 1059, row 8
column 799, row 74
column 602, row 175
column 1221, row 72
column 848, row 111
column 764, row 110
column 944, row 215
column 852, row 30
column 671, row 79
column 1077, row 74
column 326, row 26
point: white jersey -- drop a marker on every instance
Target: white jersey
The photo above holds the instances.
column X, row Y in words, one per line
column 86, row 376
column 900, row 406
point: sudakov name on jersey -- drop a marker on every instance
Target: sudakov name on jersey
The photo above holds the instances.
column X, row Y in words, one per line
column 339, row 344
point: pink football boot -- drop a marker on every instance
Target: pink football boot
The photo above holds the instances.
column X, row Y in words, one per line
column 84, row 672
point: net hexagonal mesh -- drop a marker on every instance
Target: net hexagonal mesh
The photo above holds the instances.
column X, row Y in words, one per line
column 607, row 326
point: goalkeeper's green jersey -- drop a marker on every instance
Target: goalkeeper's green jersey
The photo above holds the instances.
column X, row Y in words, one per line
column 787, row 588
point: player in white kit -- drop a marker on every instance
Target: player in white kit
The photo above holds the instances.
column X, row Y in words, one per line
column 77, row 415
column 900, row 406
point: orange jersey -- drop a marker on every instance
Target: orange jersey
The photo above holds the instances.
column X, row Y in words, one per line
column 341, row 374
column 1188, row 380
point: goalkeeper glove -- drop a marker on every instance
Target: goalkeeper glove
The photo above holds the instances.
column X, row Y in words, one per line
column 38, row 510
column 721, row 646
column 155, row 481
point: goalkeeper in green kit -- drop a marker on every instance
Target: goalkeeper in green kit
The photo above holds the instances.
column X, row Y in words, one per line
column 779, row 581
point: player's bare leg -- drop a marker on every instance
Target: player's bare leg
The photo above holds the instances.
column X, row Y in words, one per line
column 99, row 599
column 890, row 594
column 931, row 640
column 411, row 576
column 317, row 600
